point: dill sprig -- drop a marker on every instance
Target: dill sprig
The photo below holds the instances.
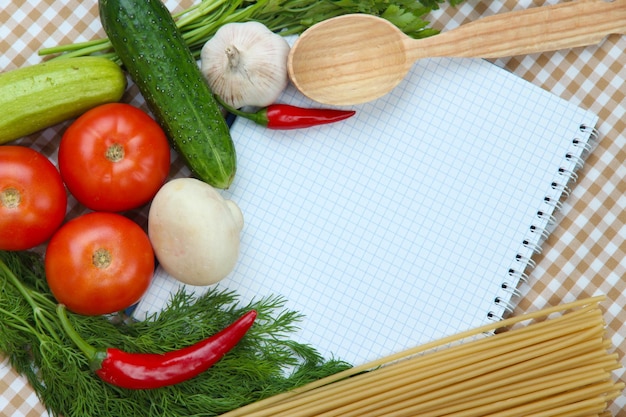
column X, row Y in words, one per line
column 265, row 362
column 199, row 22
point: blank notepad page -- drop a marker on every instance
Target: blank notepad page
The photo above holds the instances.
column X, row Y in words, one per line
column 410, row 221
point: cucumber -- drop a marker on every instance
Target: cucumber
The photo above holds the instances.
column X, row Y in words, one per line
column 152, row 49
column 41, row 95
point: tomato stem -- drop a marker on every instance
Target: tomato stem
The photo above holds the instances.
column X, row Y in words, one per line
column 10, row 198
column 115, row 152
column 101, row 258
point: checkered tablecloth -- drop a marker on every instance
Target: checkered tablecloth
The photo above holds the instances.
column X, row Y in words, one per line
column 586, row 253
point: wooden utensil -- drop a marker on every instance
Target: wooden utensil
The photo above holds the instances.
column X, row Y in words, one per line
column 356, row 58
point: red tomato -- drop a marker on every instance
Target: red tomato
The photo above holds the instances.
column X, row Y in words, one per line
column 33, row 199
column 114, row 157
column 99, row 263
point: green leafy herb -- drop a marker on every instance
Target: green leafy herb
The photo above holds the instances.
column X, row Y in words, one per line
column 266, row 362
column 287, row 17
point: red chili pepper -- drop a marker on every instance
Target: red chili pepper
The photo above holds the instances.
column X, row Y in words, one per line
column 153, row 370
column 285, row 116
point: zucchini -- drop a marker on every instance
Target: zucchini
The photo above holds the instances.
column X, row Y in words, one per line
column 41, row 95
column 152, row 49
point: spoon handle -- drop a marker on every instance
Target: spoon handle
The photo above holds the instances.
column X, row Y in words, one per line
column 538, row 29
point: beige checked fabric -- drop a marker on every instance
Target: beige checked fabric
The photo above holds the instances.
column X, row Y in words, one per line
column 586, row 253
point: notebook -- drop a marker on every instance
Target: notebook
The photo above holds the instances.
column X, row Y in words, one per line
column 415, row 219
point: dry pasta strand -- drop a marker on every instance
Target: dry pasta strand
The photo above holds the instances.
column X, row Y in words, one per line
column 504, row 388
column 568, row 400
column 526, row 403
column 500, row 384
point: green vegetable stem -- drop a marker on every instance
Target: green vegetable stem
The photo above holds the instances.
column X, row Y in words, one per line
column 264, row 363
column 287, row 17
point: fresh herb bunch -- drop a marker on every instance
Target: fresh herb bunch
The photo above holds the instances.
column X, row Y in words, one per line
column 199, row 22
column 265, row 362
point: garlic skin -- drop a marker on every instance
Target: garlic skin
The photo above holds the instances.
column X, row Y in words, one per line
column 246, row 64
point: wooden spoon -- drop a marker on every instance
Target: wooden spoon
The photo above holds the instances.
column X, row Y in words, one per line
column 356, row 58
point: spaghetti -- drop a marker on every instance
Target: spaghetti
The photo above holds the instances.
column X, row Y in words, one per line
column 543, row 365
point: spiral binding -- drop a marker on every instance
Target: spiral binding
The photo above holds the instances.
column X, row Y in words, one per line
column 561, row 188
column 568, row 174
column 546, row 219
column 518, row 275
column 555, row 204
column 511, row 289
column 543, row 232
column 525, row 260
column 506, row 305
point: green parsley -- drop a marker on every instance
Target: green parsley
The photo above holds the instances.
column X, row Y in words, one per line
column 287, row 17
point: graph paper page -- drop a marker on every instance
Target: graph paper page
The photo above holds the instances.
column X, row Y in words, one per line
column 401, row 224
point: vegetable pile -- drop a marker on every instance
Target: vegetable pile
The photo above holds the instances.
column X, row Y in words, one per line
column 61, row 315
column 37, row 345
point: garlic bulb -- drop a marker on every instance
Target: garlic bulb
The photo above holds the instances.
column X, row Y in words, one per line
column 246, row 64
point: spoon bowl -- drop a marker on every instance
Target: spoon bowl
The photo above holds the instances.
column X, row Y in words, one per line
column 361, row 70
column 356, row 58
